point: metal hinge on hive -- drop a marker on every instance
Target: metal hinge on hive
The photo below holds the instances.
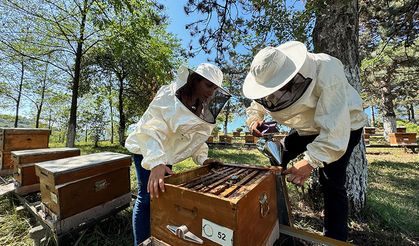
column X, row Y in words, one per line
column 183, row 233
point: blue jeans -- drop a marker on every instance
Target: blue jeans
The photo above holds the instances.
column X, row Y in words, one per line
column 141, row 210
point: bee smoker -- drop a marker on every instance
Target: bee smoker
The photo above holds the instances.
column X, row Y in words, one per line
column 274, row 151
column 271, row 149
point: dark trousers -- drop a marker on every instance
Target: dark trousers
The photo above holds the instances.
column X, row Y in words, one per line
column 332, row 180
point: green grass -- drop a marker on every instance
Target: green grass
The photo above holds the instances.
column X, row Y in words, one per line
column 391, row 216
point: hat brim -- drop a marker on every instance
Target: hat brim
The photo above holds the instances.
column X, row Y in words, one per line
column 182, row 78
column 296, row 54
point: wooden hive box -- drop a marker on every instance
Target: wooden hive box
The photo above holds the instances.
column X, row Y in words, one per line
column 250, row 139
column 152, row 241
column 19, row 139
column 369, row 130
column 75, row 184
column 25, row 160
column 223, row 204
column 225, row 139
column 402, row 138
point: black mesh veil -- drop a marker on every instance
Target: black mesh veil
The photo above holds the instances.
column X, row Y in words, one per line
column 208, row 109
column 213, row 106
column 287, row 95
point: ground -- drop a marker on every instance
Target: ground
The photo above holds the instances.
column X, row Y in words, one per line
column 391, row 215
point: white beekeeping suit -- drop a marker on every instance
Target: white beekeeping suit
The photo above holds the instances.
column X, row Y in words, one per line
column 169, row 132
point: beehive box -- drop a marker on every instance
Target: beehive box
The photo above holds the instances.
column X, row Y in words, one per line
column 221, row 205
column 25, row 160
column 152, row 241
column 402, row 138
column 20, row 139
column 250, row 139
column 72, row 185
column 369, row 130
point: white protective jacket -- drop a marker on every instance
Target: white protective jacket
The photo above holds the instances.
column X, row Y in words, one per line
column 169, row 132
column 330, row 107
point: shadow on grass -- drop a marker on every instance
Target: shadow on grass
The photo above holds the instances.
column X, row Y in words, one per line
column 409, row 166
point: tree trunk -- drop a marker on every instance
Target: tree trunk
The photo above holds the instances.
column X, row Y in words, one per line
column 372, row 116
column 72, row 123
column 50, row 120
column 111, row 108
column 19, row 92
column 412, row 114
column 41, row 103
column 122, row 120
column 227, row 114
column 389, row 116
column 336, row 33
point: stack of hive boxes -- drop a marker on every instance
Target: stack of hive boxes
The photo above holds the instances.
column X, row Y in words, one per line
column 19, row 139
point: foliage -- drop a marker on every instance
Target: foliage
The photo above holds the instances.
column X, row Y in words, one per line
column 388, row 41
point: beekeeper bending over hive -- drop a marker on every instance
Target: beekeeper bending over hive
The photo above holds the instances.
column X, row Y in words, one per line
column 175, row 127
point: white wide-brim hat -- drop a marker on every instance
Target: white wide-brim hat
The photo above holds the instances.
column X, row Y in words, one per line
column 206, row 70
column 272, row 68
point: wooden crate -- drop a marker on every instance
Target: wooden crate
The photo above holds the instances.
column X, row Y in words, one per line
column 25, row 160
column 369, row 130
column 402, row 138
column 152, row 241
column 19, row 139
column 367, row 138
column 72, row 185
column 250, row 139
column 23, row 138
column 223, row 204
column 225, row 139
column 401, row 129
column 210, row 139
column 6, row 162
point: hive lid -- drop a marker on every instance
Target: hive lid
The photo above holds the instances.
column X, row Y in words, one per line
column 31, row 152
column 73, row 164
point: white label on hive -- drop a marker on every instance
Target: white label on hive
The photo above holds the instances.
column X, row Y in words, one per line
column 216, row 233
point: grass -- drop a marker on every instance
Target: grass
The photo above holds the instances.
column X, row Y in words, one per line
column 391, row 216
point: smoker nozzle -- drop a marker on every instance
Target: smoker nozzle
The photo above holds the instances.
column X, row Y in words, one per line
column 272, row 149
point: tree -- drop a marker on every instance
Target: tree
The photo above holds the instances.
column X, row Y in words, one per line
column 388, row 39
column 341, row 41
column 139, row 53
column 394, row 72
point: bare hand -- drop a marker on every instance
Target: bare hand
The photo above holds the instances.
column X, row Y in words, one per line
column 212, row 162
column 299, row 173
column 156, row 180
column 254, row 131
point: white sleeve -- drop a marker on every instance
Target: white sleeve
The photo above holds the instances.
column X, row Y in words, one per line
column 148, row 137
column 332, row 117
column 254, row 112
column 201, row 154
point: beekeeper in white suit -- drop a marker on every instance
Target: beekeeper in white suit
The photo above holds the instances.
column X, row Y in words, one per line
column 175, row 127
column 309, row 93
